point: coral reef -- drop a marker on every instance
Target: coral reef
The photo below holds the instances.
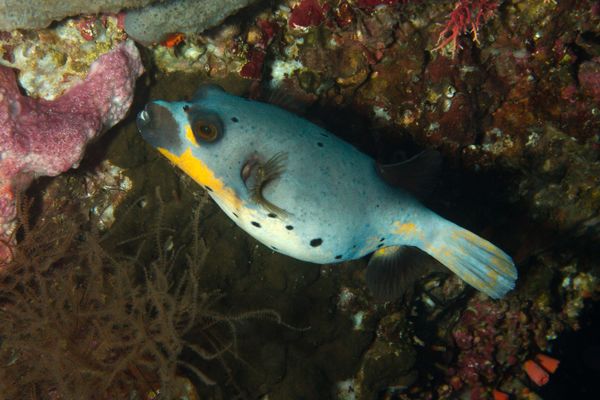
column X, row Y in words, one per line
column 563, row 183
column 467, row 16
column 151, row 24
column 50, row 61
column 514, row 111
column 46, row 138
column 490, row 337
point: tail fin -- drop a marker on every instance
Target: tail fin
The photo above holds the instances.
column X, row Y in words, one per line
column 475, row 260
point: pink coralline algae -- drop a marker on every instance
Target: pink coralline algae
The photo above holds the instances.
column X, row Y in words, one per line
column 45, row 138
column 589, row 78
column 467, row 16
column 489, row 337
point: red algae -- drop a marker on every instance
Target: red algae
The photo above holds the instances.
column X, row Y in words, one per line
column 86, row 27
column 263, row 36
column 467, row 17
column 307, row 13
column 253, row 68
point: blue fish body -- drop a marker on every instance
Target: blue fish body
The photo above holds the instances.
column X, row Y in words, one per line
column 305, row 193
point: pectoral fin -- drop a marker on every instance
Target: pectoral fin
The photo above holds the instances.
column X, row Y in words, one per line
column 257, row 175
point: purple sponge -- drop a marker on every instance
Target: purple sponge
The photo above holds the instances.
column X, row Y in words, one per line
column 45, row 138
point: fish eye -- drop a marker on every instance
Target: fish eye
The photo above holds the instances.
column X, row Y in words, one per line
column 205, row 130
column 205, row 126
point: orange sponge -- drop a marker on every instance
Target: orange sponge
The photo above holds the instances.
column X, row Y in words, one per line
column 536, row 373
column 550, row 364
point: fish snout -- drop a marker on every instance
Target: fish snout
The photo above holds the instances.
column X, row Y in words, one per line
column 158, row 126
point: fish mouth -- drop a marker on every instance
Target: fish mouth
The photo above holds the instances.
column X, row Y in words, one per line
column 159, row 128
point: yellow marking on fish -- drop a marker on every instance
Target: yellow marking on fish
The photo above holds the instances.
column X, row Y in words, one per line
column 407, row 229
column 443, row 252
column 470, row 279
column 202, row 174
column 496, row 257
column 474, row 239
column 493, row 277
column 189, row 135
column 385, row 251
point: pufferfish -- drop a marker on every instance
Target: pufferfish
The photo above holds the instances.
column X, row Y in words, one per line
column 305, row 193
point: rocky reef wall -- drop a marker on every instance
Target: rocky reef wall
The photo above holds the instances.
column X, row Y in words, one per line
column 15, row 14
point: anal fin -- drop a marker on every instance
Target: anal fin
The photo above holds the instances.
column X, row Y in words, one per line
column 393, row 270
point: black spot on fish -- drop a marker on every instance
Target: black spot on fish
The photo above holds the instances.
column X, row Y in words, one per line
column 338, row 257
column 186, row 108
column 319, row 144
column 323, row 134
column 274, row 248
column 234, row 119
column 289, row 227
column 235, row 215
column 380, row 245
column 316, row 242
column 382, row 239
column 208, row 188
column 354, row 246
column 256, row 224
column 272, row 215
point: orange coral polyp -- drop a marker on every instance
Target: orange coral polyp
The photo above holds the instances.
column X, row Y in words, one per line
column 536, row 373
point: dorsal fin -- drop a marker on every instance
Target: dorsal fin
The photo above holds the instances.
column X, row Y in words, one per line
column 282, row 98
column 204, row 89
column 417, row 175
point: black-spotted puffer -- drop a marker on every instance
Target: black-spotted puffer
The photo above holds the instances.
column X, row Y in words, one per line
column 305, row 193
